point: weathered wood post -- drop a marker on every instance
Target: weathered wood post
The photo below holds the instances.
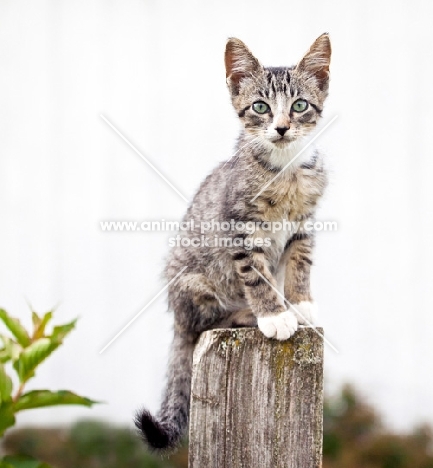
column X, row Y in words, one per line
column 255, row 402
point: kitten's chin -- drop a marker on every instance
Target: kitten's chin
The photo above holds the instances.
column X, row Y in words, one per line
column 283, row 143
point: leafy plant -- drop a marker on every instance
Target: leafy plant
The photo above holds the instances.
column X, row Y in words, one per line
column 355, row 437
column 90, row 444
column 24, row 352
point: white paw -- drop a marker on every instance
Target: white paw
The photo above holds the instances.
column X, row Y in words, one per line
column 306, row 312
column 281, row 326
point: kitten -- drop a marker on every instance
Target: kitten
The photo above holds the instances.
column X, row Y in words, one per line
column 235, row 283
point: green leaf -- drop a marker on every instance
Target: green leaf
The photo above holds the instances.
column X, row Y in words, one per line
column 15, row 327
column 61, row 331
column 11, row 348
column 5, row 386
column 39, row 324
column 32, row 356
column 41, row 398
column 4, row 355
column 23, row 462
column 36, row 320
column 7, row 418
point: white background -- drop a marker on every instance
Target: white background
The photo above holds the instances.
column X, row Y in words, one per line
column 155, row 69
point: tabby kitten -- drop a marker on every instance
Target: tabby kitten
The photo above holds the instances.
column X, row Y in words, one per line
column 237, row 285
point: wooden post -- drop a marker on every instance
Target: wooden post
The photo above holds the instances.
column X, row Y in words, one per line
column 255, row 402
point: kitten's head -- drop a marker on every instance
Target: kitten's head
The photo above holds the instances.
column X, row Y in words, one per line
column 278, row 106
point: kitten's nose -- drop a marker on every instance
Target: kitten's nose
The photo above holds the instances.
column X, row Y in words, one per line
column 282, row 130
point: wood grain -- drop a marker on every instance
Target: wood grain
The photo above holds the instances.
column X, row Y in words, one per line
column 255, row 402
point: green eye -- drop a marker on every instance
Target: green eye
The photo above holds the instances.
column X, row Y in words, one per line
column 300, row 105
column 261, row 107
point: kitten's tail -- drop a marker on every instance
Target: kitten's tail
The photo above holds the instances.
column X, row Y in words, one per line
column 166, row 429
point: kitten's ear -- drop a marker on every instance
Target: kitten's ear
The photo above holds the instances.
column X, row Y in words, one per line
column 316, row 61
column 240, row 63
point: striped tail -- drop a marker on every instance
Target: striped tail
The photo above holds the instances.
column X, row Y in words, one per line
column 165, row 431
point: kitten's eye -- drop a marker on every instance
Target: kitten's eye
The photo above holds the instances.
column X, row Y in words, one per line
column 261, row 107
column 300, row 105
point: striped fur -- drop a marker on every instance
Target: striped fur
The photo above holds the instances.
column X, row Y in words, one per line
column 237, row 286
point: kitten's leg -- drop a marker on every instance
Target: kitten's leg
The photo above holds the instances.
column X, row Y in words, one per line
column 297, row 280
column 239, row 319
column 273, row 318
column 196, row 303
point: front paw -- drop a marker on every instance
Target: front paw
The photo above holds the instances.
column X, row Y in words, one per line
column 306, row 312
column 281, row 326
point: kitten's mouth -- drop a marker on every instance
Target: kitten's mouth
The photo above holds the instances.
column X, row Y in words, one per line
column 281, row 142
